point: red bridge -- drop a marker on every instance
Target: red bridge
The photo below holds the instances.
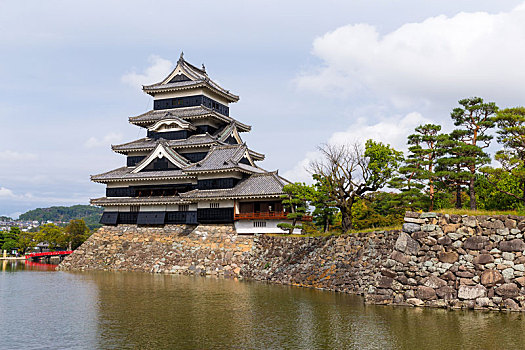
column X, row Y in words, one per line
column 48, row 255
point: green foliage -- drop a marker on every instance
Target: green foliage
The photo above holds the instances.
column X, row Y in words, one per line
column 10, row 239
column 325, row 210
column 474, row 118
column 76, row 233
column 5, row 218
column 417, row 176
column 510, row 178
column 347, row 173
column 295, row 201
column 91, row 215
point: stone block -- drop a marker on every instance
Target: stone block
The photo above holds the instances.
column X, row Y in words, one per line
column 520, row 281
column 415, row 302
column 415, row 221
column 434, row 282
column 400, row 257
column 508, row 274
column 455, row 236
column 511, row 304
column 450, row 228
column 508, row 290
column 515, row 245
column 475, row 242
column 406, row 244
column 472, row 292
column 507, row 256
column 470, row 221
column 445, row 240
column 490, row 278
column 428, row 228
column 483, row 259
column 410, row 227
column 429, row 215
column 385, row 282
column 448, row 257
column 425, row 293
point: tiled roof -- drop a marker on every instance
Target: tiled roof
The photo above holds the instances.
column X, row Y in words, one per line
column 257, row 185
column 198, row 77
column 187, row 113
column 223, row 157
column 147, row 144
column 124, row 173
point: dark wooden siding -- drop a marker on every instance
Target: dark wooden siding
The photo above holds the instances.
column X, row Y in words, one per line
column 215, row 215
column 211, row 184
column 134, row 160
column 191, row 101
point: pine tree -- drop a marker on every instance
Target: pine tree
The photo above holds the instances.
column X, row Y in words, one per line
column 511, row 134
column 474, row 118
column 418, row 174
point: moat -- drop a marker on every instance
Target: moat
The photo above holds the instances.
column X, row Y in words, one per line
column 116, row 310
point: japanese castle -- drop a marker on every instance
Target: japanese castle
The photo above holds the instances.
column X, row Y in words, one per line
column 192, row 167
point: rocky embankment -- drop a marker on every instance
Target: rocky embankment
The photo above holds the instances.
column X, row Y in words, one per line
column 183, row 249
column 437, row 260
column 442, row 260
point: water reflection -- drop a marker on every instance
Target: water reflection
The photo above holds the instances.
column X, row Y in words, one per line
column 133, row 310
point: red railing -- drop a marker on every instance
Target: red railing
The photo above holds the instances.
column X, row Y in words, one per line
column 271, row 215
column 57, row 253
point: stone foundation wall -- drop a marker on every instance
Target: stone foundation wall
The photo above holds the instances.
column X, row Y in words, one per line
column 183, row 249
column 437, row 260
column 455, row 261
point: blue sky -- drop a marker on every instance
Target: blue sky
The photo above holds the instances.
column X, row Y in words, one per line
column 307, row 72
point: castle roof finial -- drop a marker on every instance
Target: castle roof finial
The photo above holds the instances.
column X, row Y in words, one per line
column 181, row 56
column 204, row 68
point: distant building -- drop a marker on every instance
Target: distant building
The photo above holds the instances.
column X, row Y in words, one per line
column 193, row 166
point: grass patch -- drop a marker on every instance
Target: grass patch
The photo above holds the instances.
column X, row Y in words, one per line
column 481, row 212
column 338, row 233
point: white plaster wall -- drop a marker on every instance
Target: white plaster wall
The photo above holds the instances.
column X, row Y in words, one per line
column 246, row 227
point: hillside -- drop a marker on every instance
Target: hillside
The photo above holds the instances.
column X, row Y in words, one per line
column 91, row 215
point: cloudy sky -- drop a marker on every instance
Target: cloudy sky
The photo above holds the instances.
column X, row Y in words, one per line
column 307, row 72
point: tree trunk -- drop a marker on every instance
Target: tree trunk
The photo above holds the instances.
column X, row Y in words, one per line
column 346, row 217
column 431, row 193
column 326, row 224
column 472, row 193
column 458, row 197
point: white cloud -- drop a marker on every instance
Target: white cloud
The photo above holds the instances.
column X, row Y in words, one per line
column 6, row 193
column 440, row 58
column 392, row 131
column 158, row 69
column 106, row 141
column 299, row 173
column 8, row 155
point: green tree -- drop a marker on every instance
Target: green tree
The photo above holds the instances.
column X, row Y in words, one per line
column 511, row 134
column 53, row 235
column 325, row 210
column 295, row 201
column 452, row 166
column 76, row 233
column 350, row 172
column 474, row 118
column 11, row 239
column 26, row 240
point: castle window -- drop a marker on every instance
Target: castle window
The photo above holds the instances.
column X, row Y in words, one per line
column 259, row 224
column 134, row 208
column 214, row 205
column 184, row 207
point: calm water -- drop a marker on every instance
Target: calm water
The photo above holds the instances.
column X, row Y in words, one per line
column 44, row 309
